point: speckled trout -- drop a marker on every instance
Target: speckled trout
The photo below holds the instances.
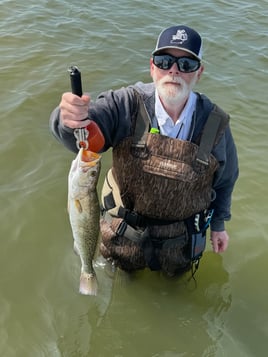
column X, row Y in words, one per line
column 84, row 213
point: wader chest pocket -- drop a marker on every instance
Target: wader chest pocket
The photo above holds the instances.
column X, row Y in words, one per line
column 174, row 169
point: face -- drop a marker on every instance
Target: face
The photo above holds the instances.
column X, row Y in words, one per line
column 172, row 85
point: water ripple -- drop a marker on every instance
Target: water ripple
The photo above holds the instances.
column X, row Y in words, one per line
column 112, row 43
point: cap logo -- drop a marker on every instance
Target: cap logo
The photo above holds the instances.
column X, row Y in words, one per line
column 180, row 37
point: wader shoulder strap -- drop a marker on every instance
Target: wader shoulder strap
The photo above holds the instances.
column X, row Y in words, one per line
column 214, row 128
column 142, row 123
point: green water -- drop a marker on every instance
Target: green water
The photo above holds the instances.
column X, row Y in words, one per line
column 41, row 311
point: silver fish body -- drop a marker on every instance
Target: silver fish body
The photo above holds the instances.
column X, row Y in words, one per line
column 84, row 214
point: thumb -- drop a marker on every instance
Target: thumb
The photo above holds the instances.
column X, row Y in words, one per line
column 86, row 98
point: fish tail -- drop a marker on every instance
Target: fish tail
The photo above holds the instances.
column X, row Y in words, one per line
column 88, row 284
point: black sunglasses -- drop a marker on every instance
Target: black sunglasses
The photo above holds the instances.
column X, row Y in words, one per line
column 185, row 64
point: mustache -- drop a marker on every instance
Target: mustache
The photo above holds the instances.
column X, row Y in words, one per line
column 173, row 79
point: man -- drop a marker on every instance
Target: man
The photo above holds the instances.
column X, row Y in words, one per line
column 174, row 160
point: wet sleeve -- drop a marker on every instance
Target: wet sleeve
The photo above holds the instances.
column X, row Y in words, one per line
column 224, row 180
column 62, row 133
column 112, row 111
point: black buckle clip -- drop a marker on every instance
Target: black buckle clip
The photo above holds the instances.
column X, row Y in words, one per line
column 133, row 219
column 121, row 228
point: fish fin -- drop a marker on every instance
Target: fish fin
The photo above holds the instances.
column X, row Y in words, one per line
column 88, row 284
column 78, row 206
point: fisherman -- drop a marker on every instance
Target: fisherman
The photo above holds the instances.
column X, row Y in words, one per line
column 174, row 161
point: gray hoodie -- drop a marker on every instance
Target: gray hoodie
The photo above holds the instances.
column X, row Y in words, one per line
column 113, row 111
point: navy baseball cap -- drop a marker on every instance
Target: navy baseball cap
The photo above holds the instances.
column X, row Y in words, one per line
column 180, row 37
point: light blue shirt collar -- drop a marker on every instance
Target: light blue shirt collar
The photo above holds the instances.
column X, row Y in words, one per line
column 182, row 126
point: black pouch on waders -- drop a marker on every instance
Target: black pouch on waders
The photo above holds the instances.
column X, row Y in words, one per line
column 197, row 227
column 198, row 245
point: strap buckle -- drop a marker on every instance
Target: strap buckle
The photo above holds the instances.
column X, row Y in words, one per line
column 121, row 228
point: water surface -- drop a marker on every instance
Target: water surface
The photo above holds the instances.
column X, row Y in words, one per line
column 145, row 315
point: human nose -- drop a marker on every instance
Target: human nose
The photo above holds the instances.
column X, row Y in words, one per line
column 174, row 68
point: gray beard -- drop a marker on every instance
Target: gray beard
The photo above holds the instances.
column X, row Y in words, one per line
column 174, row 96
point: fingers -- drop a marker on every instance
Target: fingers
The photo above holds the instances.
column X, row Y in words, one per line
column 74, row 110
column 219, row 241
column 214, row 244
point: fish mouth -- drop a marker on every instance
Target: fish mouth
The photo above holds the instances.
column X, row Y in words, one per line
column 89, row 157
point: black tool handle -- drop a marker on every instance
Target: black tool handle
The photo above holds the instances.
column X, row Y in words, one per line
column 76, row 83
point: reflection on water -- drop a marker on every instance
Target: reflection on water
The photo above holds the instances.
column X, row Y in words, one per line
column 42, row 313
column 170, row 309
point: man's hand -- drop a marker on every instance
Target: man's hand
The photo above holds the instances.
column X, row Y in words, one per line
column 74, row 110
column 219, row 241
